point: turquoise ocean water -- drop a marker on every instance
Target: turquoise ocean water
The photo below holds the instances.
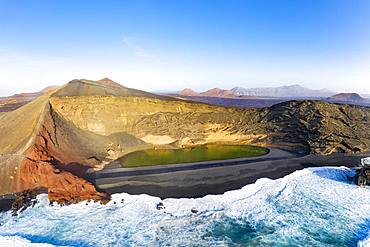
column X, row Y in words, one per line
column 312, row 207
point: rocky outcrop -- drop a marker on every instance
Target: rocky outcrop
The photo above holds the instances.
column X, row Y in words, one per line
column 63, row 186
column 25, row 199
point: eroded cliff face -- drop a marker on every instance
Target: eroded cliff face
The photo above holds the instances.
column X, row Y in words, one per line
column 18, row 129
column 106, row 115
column 48, row 158
column 44, row 165
column 311, row 126
column 63, row 186
column 158, row 121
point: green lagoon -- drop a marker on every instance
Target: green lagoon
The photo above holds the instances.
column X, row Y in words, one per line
column 152, row 157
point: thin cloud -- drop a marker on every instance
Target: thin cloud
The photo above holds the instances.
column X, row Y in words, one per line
column 135, row 47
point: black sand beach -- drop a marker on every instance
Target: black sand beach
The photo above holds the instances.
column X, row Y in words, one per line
column 200, row 179
column 216, row 177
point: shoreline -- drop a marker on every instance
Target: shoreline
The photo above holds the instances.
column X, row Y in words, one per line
column 204, row 181
column 199, row 183
column 215, row 177
column 319, row 191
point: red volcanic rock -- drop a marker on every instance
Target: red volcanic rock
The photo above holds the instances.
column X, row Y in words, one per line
column 38, row 170
column 63, row 187
column 46, row 167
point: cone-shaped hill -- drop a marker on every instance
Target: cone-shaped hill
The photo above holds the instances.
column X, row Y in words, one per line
column 104, row 87
column 53, row 140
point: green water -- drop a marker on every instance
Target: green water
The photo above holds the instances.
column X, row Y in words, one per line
column 209, row 152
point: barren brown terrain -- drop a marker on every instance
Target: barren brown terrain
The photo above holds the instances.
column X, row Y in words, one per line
column 52, row 141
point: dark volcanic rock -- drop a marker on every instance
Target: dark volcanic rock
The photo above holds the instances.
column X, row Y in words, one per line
column 322, row 128
column 18, row 202
column 6, row 202
column 194, row 211
column 160, row 206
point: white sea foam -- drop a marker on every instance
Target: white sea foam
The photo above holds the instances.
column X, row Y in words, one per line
column 315, row 207
column 9, row 241
column 365, row 242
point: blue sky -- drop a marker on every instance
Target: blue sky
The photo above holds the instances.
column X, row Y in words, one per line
column 169, row 45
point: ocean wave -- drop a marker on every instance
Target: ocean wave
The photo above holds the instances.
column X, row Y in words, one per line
column 311, row 207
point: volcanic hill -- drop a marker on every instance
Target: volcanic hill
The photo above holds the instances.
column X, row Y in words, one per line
column 52, row 141
column 214, row 92
column 217, row 92
column 188, row 92
column 347, row 97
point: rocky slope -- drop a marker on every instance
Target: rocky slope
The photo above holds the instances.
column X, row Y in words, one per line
column 53, row 140
column 320, row 127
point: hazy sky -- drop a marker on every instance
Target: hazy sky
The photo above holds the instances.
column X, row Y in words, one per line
column 155, row 45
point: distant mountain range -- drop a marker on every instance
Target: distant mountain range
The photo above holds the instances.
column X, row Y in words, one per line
column 268, row 96
column 292, row 91
column 15, row 101
column 214, row 92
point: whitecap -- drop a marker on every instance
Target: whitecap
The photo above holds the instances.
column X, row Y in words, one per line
column 315, row 206
column 19, row 241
